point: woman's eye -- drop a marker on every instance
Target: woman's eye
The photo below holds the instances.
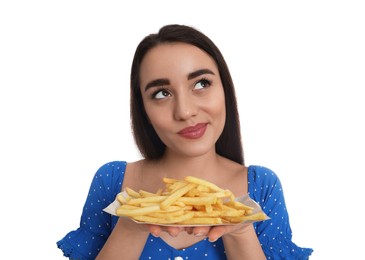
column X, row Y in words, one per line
column 202, row 84
column 161, row 94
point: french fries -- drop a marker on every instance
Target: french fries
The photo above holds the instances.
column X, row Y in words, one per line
column 192, row 201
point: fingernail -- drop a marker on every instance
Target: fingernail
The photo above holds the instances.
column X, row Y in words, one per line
column 212, row 240
column 173, row 234
column 199, row 234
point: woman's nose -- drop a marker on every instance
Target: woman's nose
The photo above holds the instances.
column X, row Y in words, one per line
column 185, row 107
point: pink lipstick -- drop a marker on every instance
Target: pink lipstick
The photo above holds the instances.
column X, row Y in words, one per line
column 193, row 132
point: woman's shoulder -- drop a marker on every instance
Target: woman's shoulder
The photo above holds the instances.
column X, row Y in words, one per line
column 112, row 167
column 115, row 171
column 262, row 179
column 258, row 172
column 112, row 171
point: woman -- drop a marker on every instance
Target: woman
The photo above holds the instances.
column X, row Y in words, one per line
column 185, row 122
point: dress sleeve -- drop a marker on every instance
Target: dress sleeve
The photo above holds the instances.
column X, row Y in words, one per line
column 95, row 225
column 275, row 234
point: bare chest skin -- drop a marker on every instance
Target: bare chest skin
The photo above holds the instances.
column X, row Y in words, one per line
column 137, row 176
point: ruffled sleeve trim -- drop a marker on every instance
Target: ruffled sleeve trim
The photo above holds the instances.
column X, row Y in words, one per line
column 68, row 250
column 80, row 244
column 283, row 248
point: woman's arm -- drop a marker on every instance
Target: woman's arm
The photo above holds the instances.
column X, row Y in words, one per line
column 240, row 241
column 125, row 242
column 243, row 244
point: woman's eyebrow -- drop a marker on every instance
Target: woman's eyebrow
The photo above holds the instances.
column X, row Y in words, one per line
column 163, row 82
column 199, row 72
column 156, row 83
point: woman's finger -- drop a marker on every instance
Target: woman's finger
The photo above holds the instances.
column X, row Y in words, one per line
column 155, row 230
column 201, row 231
column 216, row 232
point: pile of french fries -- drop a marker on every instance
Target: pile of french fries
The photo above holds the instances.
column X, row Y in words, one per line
column 192, row 201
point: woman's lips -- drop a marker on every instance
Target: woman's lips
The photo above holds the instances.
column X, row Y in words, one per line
column 194, row 132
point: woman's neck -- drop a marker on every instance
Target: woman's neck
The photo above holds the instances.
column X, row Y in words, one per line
column 181, row 166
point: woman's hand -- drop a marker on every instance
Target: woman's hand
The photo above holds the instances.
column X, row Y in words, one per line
column 156, row 230
column 212, row 232
column 215, row 232
column 240, row 240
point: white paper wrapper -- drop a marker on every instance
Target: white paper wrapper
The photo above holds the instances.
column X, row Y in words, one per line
column 245, row 199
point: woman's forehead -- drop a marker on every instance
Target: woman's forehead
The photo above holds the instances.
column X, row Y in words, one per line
column 174, row 59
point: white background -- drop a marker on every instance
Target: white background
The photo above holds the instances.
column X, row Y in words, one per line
column 298, row 67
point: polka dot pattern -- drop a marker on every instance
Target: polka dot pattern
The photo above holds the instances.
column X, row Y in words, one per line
column 264, row 187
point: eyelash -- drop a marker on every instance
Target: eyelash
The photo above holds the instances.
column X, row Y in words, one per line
column 205, row 81
column 153, row 94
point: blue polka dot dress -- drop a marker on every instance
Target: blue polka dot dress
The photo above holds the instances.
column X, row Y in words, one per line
column 96, row 225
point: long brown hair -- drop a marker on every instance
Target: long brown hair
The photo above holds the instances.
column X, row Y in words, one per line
column 229, row 144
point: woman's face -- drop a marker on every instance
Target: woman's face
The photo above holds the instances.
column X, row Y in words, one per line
column 183, row 97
